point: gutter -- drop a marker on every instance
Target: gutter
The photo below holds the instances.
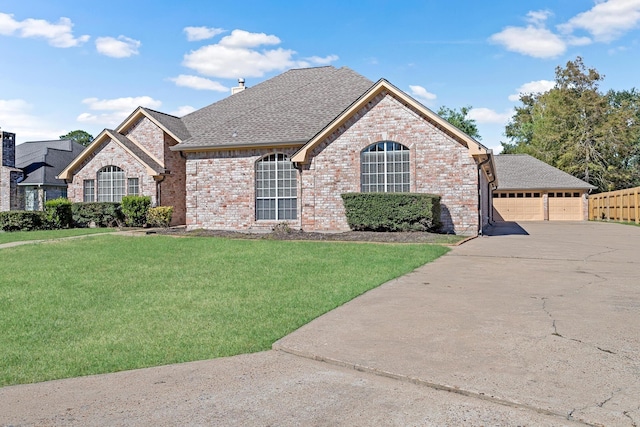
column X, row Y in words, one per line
column 480, row 222
column 229, row 146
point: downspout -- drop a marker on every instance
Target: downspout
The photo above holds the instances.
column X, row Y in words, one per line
column 480, row 222
column 158, row 180
column 298, row 166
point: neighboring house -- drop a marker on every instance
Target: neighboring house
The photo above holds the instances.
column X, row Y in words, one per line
column 40, row 163
column 9, row 174
column 284, row 151
column 531, row 190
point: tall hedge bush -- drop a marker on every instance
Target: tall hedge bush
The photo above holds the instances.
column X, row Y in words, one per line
column 22, row 220
column 135, row 209
column 101, row 214
column 58, row 213
column 392, row 211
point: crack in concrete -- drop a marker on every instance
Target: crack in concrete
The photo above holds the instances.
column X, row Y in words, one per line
column 608, row 251
column 558, row 334
column 633, row 422
column 604, row 402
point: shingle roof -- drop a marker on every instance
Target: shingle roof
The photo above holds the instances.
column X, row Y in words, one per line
column 41, row 161
column 135, row 149
column 524, row 172
column 172, row 123
column 289, row 108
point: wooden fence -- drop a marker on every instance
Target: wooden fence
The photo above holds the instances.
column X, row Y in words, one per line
column 620, row 205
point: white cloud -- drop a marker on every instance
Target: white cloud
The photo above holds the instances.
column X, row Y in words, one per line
column 421, row 94
column 183, row 110
column 245, row 39
column 245, row 54
column 111, row 112
column 538, row 17
column 487, row 115
column 16, row 117
column 122, row 47
column 533, row 41
column 199, row 83
column 195, row 34
column 607, row 20
column 57, row 34
column 318, row 60
column 537, row 86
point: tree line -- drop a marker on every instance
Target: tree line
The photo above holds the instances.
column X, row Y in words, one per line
column 581, row 130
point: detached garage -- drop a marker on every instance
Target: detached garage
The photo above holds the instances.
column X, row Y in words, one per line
column 531, row 190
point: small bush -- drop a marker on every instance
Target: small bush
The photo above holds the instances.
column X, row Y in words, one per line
column 160, row 216
column 58, row 213
column 135, row 209
column 102, row 214
column 22, row 220
column 392, row 211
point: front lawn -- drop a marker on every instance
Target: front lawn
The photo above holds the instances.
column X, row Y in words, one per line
column 110, row 303
column 20, row 236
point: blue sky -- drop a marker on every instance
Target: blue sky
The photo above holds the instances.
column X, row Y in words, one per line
column 74, row 64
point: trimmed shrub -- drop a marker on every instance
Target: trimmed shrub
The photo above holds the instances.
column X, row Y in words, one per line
column 58, row 213
column 135, row 209
column 102, row 214
column 160, row 216
column 22, row 220
column 392, row 211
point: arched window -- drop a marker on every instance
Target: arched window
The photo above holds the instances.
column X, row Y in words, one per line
column 111, row 186
column 276, row 188
column 384, row 168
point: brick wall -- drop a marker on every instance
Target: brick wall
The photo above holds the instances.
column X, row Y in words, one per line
column 8, row 176
column 439, row 165
column 173, row 186
column 149, row 137
column 156, row 142
column 221, row 190
column 220, row 185
column 110, row 153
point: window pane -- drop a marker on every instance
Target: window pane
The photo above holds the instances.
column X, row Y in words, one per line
column 88, row 190
column 384, row 167
column 133, row 187
column 111, row 184
column 276, row 188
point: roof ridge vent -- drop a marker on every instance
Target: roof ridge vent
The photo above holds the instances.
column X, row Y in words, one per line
column 238, row 88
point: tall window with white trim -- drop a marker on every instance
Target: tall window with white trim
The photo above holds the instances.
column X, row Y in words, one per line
column 276, row 188
column 384, row 168
column 111, row 184
column 89, row 190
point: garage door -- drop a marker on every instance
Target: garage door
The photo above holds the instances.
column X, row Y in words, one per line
column 518, row 207
column 565, row 206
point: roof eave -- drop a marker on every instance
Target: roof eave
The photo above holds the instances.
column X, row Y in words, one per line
column 141, row 111
column 236, row 146
column 66, row 173
column 302, row 156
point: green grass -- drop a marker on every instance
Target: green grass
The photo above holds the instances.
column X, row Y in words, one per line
column 19, row 236
column 110, row 303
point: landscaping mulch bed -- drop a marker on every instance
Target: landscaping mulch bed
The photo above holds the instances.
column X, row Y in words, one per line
column 348, row 236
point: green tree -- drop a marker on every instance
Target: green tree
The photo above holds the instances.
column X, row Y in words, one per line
column 578, row 129
column 79, row 136
column 460, row 120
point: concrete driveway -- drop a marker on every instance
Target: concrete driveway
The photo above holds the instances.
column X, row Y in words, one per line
column 535, row 325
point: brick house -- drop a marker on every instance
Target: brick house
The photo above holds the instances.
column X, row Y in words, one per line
column 40, row 162
column 284, row 151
